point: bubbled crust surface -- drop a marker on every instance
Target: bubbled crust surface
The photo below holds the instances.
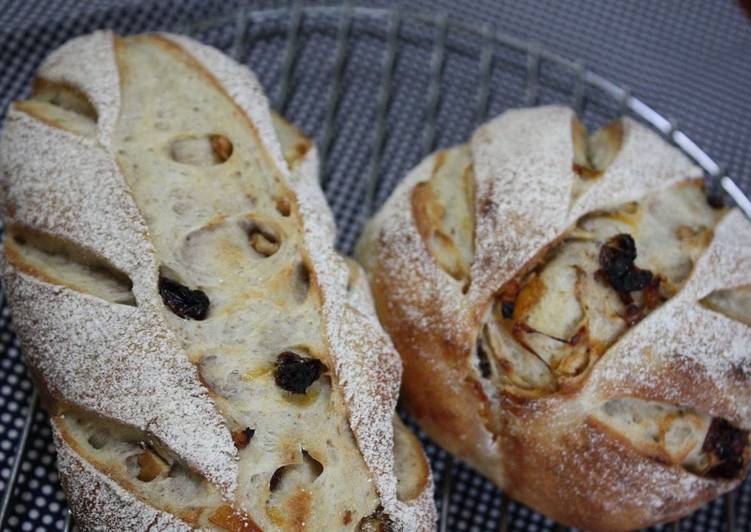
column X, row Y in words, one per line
column 547, row 452
column 86, row 201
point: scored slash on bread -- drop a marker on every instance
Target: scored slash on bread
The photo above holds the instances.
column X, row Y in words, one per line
column 207, row 357
column 573, row 317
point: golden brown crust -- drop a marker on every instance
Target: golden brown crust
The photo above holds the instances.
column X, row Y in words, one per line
column 416, row 468
column 98, row 502
column 13, row 256
column 439, row 391
column 620, row 482
column 545, row 447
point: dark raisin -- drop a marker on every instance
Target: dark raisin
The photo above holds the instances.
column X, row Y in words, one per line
column 483, row 361
column 617, row 255
column 633, row 281
column 184, row 302
column 507, row 310
column 242, row 438
column 728, row 445
column 295, row 373
column 507, row 296
column 616, row 259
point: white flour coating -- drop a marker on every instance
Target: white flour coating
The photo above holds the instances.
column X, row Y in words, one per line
column 93, row 494
column 366, row 364
column 524, row 181
column 521, row 204
column 522, row 193
column 88, row 64
column 73, row 189
column 641, row 165
column 115, row 360
column 628, row 480
column 424, row 283
column 686, row 333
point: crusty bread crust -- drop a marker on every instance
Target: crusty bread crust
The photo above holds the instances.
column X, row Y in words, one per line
column 72, row 189
column 98, row 502
column 548, row 451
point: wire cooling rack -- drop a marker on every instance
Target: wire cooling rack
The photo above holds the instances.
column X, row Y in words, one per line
column 379, row 89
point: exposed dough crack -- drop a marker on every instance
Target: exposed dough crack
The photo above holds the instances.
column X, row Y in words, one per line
column 58, row 261
column 553, row 321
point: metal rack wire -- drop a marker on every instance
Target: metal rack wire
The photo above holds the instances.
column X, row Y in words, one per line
column 439, row 26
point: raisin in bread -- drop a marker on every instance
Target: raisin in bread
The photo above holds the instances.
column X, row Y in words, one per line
column 573, row 316
column 208, row 360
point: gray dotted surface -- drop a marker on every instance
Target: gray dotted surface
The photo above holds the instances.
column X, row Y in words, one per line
column 689, row 59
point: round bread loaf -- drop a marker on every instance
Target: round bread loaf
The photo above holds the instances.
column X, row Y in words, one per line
column 573, row 317
column 208, row 359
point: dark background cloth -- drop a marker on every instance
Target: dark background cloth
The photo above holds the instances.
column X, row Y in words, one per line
column 689, row 59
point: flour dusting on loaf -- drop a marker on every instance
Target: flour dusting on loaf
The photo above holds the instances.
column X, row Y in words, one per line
column 709, row 347
column 88, row 64
column 99, row 503
column 210, row 360
column 370, row 373
column 593, row 361
column 75, row 192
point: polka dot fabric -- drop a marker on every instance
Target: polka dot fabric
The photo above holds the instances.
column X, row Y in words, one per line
column 472, row 503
